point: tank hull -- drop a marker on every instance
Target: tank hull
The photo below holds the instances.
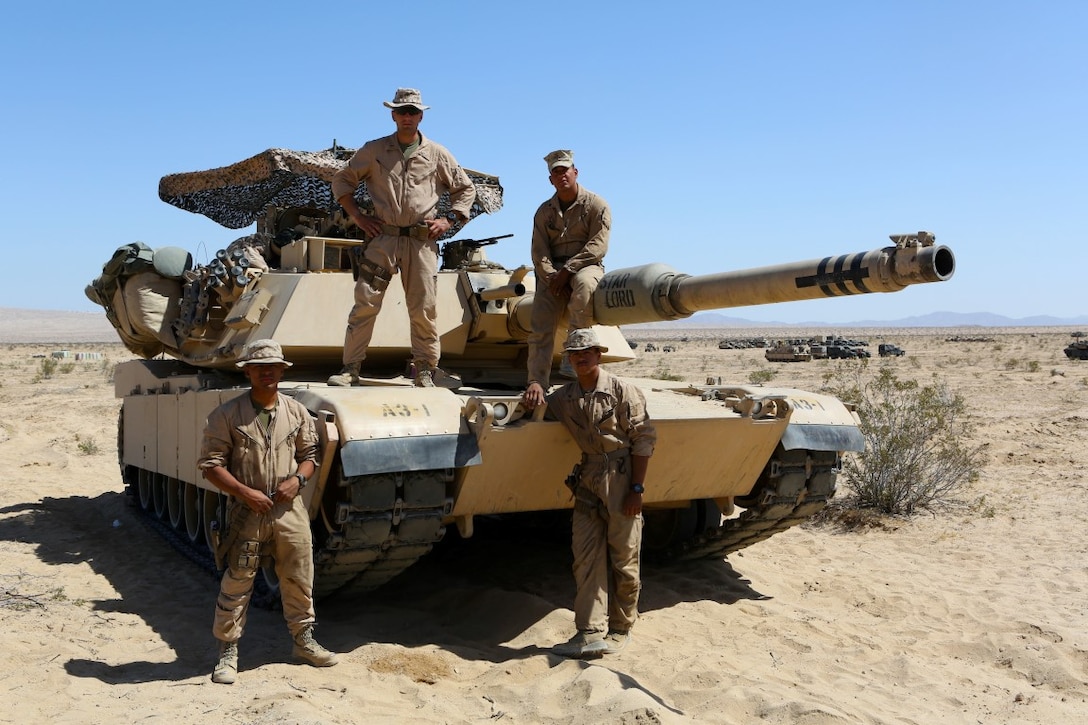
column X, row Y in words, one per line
column 400, row 464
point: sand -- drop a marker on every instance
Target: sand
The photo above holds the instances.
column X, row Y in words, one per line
column 971, row 615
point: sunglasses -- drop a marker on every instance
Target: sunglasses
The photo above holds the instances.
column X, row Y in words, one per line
column 407, row 111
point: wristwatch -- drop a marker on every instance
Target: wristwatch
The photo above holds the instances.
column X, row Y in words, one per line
column 301, row 480
column 454, row 217
column 638, row 488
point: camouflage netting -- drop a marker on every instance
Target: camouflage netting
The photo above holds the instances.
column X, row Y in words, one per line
column 236, row 195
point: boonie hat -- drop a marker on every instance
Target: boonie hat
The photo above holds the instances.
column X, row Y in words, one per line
column 583, row 339
column 261, row 352
column 406, row 97
column 562, row 157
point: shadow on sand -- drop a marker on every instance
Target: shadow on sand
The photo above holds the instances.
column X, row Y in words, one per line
column 468, row 596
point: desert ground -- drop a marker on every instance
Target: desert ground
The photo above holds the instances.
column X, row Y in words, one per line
column 976, row 614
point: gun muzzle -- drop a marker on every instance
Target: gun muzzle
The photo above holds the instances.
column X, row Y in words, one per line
column 501, row 293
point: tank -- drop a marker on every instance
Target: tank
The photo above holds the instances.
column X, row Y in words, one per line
column 1078, row 348
column 399, row 465
column 786, row 351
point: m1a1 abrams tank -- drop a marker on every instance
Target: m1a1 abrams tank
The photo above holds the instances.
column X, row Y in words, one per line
column 400, row 464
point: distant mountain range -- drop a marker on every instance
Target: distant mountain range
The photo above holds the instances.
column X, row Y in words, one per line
column 933, row 319
column 26, row 326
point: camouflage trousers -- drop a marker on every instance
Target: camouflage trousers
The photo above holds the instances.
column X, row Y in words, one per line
column 607, row 547
column 550, row 312
column 284, row 535
column 417, row 261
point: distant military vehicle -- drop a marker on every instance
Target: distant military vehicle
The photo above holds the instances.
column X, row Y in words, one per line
column 841, row 352
column 886, row 349
column 400, row 464
column 787, row 352
column 1078, row 348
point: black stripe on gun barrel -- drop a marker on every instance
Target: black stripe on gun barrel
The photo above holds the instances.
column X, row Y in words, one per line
column 834, row 283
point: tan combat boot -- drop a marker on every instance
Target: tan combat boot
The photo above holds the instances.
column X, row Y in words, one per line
column 424, row 378
column 307, row 648
column 348, row 376
column 226, row 670
column 426, row 375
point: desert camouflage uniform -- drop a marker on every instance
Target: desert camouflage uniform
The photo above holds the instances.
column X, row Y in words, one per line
column 405, row 193
column 234, row 440
column 609, row 424
column 575, row 238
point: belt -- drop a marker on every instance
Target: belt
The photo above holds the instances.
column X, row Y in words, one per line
column 417, row 231
column 606, row 457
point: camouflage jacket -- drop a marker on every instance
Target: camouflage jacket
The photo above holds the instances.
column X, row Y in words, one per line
column 406, row 191
column 611, row 416
column 573, row 238
column 233, row 439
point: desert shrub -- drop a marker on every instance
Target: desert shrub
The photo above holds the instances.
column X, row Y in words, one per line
column 1012, row 363
column 86, row 446
column 663, row 373
column 46, row 369
column 1033, row 366
column 915, row 453
column 761, row 375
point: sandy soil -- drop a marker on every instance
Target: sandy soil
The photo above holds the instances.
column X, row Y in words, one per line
column 976, row 615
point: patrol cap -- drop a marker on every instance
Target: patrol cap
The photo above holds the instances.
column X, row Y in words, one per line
column 261, row 352
column 562, row 157
column 583, row 339
column 406, row 97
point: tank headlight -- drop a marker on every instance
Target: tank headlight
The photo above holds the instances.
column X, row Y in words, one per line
column 502, row 410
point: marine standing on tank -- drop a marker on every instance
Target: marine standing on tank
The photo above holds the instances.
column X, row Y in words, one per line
column 406, row 174
column 260, row 449
column 608, row 420
column 570, row 238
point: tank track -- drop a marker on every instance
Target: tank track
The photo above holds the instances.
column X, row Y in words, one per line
column 794, row 486
column 379, row 526
column 384, row 524
column 199, row 554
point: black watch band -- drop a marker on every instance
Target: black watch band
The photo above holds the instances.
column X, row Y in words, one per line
column 301, row 480
column 638, row 488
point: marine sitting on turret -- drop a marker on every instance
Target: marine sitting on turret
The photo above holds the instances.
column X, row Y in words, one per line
column 570, row 238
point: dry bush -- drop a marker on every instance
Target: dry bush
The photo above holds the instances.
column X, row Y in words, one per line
column 761, row 375
column 915, row 456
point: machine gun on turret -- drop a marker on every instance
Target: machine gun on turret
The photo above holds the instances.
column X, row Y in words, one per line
column 464, row 253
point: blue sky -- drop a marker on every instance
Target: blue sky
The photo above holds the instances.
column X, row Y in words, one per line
column 725, row 135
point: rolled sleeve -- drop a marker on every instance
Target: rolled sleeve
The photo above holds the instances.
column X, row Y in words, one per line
column 306, row 443
column 216, row 446
column 640, row 431
column 456, row 180
column 347, row 179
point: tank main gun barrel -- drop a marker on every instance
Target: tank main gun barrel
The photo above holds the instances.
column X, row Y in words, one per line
column 657, row 292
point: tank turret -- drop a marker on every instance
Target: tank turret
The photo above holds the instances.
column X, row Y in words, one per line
column 400, row 464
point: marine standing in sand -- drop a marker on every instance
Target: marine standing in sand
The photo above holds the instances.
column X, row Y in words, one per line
column 260, row 449
column 608, row 420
